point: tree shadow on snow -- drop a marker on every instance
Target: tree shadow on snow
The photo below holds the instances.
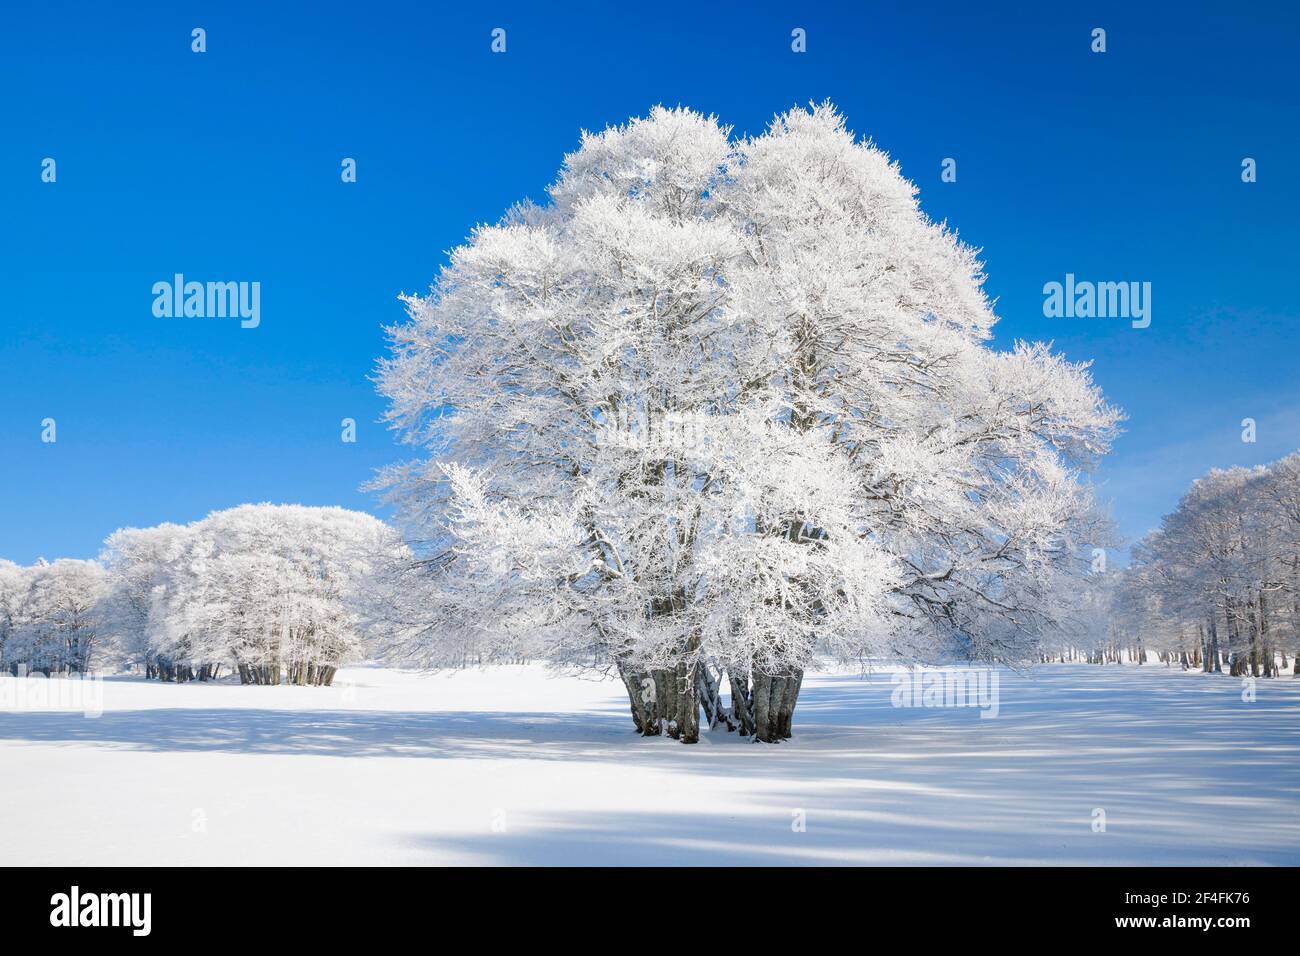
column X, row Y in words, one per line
column 848, row 829
column 1166, row 757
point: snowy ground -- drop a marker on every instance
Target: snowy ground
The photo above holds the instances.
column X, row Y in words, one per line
column 511, row 765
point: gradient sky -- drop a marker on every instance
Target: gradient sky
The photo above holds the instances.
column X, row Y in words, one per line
column 225, row 166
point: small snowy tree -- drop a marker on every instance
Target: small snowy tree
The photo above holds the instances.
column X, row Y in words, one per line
column 14, row 582
column 56, row 627
column 722, row 404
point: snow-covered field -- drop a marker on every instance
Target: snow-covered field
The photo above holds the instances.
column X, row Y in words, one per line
column 512, row 765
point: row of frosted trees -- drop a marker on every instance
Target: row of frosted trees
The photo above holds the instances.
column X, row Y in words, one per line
column 276, row 593
column 1216, row 587
column 1218, row 583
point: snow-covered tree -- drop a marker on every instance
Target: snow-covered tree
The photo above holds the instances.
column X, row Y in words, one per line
column 56, row 619
column 722, row 404
column 1223, row 569
column 14, row 583
column 138, row 561
column 277, row 591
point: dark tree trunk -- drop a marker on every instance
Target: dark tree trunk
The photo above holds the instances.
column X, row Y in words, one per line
column 742, row 705
column 774, row 698
column 669, row 702
column 688, row 703
column 640, row 711
column 709, row 691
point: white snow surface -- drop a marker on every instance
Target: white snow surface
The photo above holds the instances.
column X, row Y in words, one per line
column 513, row 765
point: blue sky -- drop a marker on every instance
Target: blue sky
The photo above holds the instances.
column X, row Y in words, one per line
column 225, row 166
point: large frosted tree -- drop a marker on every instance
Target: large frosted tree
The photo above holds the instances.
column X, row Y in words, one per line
column 722, row 404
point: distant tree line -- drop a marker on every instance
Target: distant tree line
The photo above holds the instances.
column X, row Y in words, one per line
column 1215, row 588
column 275, row 593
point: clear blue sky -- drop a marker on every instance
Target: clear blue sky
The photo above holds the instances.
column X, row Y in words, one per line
column 225, row 166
